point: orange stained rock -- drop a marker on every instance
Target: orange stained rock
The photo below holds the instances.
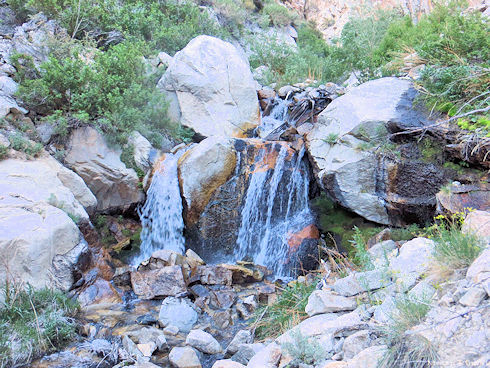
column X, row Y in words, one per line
column 296, row 239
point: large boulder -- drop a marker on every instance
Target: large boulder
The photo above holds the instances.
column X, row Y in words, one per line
column 211, row 89
column 40, row 201
column 39, row 245
column 115, row 186
column 382, row 187
column 45, row 180
column 459, row 197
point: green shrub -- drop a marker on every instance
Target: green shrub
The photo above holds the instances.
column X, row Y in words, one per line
column 331, row 138
column 453, row 248
column 287, row 311
column 114, row 92
column 33, row 322
column 303, row 349
column 361, row 256
column 278, row 14
column 21, row 144
column 4, row 151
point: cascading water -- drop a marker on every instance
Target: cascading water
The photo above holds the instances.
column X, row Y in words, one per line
column 161, row 215
column 275, row 119
column 276, row 204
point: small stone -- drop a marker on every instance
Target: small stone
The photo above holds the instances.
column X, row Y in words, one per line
column 178, row 312
column 193, row 259
column 368, row 358
column 473, row 297
column 171, row 330
column 147, row 319
column 131, row 347
column 227, row 363
column 147, row 349
column 166, row 281
column 203, row 342
column 215, row 275
column 241, row 337
column 245, row 352
column 323, row 301
column 355, row 343
column 184, row 357
column 360, row 282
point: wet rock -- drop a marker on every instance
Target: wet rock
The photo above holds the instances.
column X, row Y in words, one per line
column 215, row 275
column 247, row 306
column 246, row 274
column 193, row 259
column 147, row 319
column 162, row 258
column 383, row 190
column 167, row 281
column 153, row 338
column 241, row 337
column 457, row 198
column 360, row 282
column 177, row 312
column 113, row 184
column 200, row 82
column 323, row 301
column 203, row 342
column 99, row 292
column 203, row 169
column 184, row 357
column 131, row 348
column 171, row 330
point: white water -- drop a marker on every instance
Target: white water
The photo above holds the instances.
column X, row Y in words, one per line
column 276, row 204
column 161, row 215
column 275, row 119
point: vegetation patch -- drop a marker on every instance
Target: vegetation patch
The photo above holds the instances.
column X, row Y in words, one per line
column 33, row 322
column 288, row 310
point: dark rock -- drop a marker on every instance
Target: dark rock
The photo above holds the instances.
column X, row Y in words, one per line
column 456, row 198
column 147, row 319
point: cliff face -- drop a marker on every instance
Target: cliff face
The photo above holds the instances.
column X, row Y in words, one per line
column 330, row 16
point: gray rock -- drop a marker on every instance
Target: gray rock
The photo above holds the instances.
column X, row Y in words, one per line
column 355, row 178
column 45, row 132
column 480, row 268
column 267, row 357
column 383, row 313
column 166, row 281
column 241, row 337
column 413, row 261
column 245, row 352
column 177, row 312
column 381, row 253
column 203, row 342
column 368, row 358
column 473, row 297
column 141, row 150
column 323, row 301
column 356, row 342
column 184, row 357
column 359, row 282
column 210, row 89
column 115, row 186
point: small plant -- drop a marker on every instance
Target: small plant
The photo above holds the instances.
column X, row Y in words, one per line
column 4, row 151
column 304, row 350
column 405, row 349
column 33, row 322
column 19, row 143
column 453, row 248
column 361, row 256
column 331, row 138
column 286, row 312
column 279, row 14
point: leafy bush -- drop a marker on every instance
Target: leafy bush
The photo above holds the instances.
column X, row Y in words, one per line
column 279, row 15
column 19, row 143
column 114, row 92
column 287, row 311
column 33, row 322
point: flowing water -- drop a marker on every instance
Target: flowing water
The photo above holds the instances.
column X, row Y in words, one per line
column 276, row 204
column 161, row 216
column 275, row 119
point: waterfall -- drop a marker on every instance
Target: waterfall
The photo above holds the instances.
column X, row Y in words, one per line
column 161, row 215
column 275, row 119
column 276, row 204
